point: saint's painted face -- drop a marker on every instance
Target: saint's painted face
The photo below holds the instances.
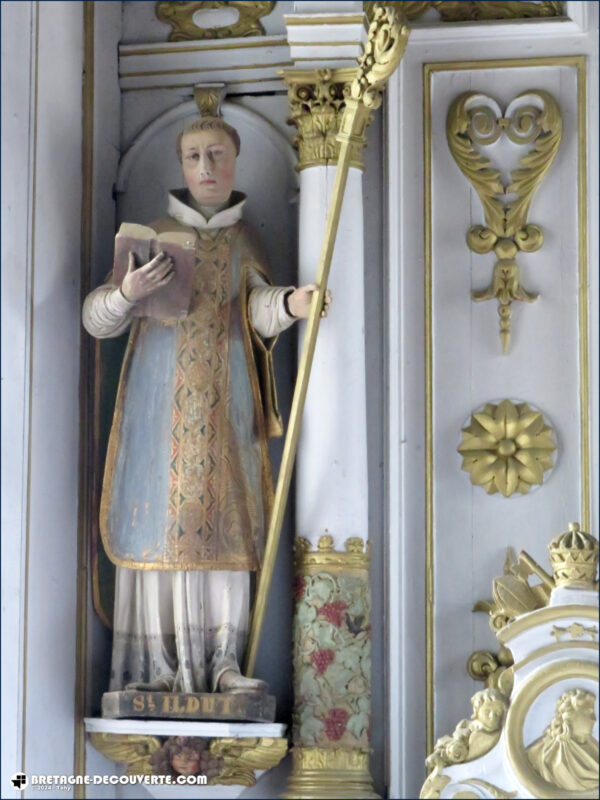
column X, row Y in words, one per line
column 208, row 162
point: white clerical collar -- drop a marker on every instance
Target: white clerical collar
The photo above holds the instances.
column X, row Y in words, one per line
column 179, row 209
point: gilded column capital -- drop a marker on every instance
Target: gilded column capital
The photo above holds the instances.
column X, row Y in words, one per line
column 317, row 99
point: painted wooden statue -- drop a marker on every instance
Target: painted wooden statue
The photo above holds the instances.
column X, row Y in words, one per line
column 187, row 485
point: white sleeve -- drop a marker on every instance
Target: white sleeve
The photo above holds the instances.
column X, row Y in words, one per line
column 106, row 312
column 266, row 307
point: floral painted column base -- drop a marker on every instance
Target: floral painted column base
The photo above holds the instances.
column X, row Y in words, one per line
column 332, row 672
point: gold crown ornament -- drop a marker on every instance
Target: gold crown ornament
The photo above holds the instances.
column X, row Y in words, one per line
column 574, row 558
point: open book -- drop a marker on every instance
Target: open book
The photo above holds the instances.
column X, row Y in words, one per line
column 173, row 300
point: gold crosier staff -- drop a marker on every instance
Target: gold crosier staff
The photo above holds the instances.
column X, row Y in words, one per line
column 385, row 45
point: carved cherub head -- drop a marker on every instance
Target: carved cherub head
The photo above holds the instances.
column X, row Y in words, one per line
column 207, row 149
column 489, row 708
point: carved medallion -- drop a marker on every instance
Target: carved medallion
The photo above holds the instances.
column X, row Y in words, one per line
column 186, row 21
column 507, row 448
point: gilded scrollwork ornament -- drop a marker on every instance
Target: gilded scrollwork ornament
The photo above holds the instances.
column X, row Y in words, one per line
column 507, row 448
column 478, row 10
column 492, row 668
column 475, row 120
column 181, row 16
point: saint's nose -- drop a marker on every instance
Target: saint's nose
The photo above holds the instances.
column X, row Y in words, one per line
column 205, row 164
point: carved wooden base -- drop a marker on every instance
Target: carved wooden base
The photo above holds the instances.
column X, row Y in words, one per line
column 245, row 707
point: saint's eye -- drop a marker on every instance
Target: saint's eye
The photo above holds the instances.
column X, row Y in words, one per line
column 192, row 157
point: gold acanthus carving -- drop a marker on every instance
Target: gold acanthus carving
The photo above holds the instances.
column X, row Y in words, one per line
column 470, row 10
column 471, row 739
column 507, row 448
column 317, row 100
column 239, row 758
column 532, row 118
column 209, row 97
column 127, row 748
column 355, row 556
column 334, row 106
column 180, row 16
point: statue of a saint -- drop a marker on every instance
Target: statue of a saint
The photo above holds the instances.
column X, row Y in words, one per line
column 566, row 755
column 187, row 485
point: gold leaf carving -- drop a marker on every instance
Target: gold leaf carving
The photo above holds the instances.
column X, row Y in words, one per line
column 127, row 748
column 507, row 448
column 575, row 631
column 241, row 757
column 386, row 43
column 470, row 10
column 471, row 739
column 451, row 11
column 180, row 16
column 483, row 665
column 317, row 100
column 532, row 118
column 512, row 592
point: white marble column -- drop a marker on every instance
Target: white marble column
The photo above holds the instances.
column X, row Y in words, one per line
column 332, row 682
column 331, row 472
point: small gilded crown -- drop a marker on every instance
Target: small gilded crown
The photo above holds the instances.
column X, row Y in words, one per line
column 574, row 557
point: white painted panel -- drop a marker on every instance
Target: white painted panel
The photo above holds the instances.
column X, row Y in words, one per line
column 472, row 529
column 53, row 478
column 17, row 135
column 405, row 483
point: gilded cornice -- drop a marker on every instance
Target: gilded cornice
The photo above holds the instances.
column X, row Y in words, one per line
column 480, row 10
column 317, row 100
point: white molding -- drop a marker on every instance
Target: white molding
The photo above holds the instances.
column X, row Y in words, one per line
column 495, row 30
column 175, row 727
column 232, row 113
column 578, row 12
column 393, row 517
column 240, row 62
column 19, row 56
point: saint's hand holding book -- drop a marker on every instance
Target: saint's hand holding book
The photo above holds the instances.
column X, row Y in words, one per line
column 164, row 264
